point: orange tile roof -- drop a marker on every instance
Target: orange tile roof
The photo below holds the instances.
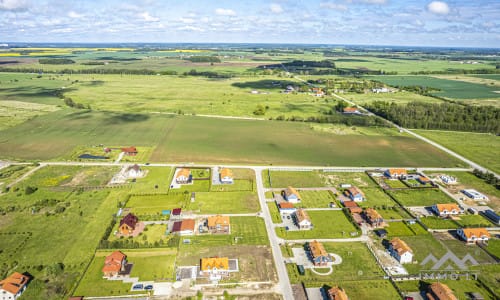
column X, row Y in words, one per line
column 286, row 205
column 218, row 220
column 354, row 191
column 397, row 171
column 302, row 215
column 291, row 191
column 14, row 283
column 350, row 204
column 187, row 224
column 113, row 262
column 400, row 246
column 336, row 293
column 350, row 109
column 183, row 172
column 372, row 214
column 221, row 263
column 131, row 149
column 225, row 172
column 477, row 232
column 447, row 207
column 442, row 291
column 424, row 179
column 317, row 249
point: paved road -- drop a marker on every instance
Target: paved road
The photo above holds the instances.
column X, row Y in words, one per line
column 284, row 282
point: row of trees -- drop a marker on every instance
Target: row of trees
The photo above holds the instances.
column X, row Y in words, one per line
column 201, row 58
column 447, row 116
column 56, row 61
column 488, row 178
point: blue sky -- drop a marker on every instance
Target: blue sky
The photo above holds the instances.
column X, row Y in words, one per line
column 473, row 23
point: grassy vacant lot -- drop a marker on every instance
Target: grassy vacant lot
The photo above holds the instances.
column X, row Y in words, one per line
column 154, row 204
column 398, row 229
column 360, row 180
column 470, row 145
column 421, row 197
column 225, row 202
column 375, row 197
column 157, row 180
column 327, row 224
column 275, row 214
column 297, row 179
column 460, row 249
column 315, row 199
column 434, row 222
column 14, row 112
column 396, row 97
column 422, row 246
column 474, row 221
column 460, row 288
column 494, row 247
column 448, row 88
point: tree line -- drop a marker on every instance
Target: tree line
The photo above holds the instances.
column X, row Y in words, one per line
column 488, row 177
column 446, row 116
column 56, row 61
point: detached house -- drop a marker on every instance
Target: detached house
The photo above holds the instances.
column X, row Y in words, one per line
column 336, row 293
column 354, row 194
column 214, row 267
column 183, row 176
column 128, row 224
column 473, row 235
column 373, row 217
column 218, row 224
column 291, row 195
column 396, row 173
column 447, row 209
column 134, row 171
column 13, row 286
column 184, row 227
column 440, row 291
column 302, row 219
column 318, row 254
column 114, row 264
column 351, row 110
column 286, row 207
column 400, row 251
column 226, row 176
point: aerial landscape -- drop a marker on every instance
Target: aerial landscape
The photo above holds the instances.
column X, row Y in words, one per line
column 322, row 150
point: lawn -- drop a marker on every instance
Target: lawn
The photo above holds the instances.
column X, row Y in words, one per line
column 460, row 249
column 157, row 180
column 327, row 224
column 494, row 247
column 421, row 197
column 434, row 222
column 395, row 183
column 225, row 203
column 154, row 204
column 398, row 229
column 392, row 213
column 375, row 197
column 275, row 214
column 297, row 179
column 474, row 221
column 422, row 246
column 470, row 145
column 460, row 288
column 361, row 180
column 238, row 185
column 152, row 234
column 315, row 199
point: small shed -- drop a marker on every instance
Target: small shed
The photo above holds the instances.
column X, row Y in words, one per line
column 165, row 212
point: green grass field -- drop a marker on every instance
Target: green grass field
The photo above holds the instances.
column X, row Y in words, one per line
column 421, row 197
column 400, row 97
column 434, row 222
column 422, row 246
column 327, row 224
column 474, row 221
column 315, row 199
column 225, row 202
column 398, row 229
column 296, row 179
column 460, row 288
column 470, row 145
column 275, row 214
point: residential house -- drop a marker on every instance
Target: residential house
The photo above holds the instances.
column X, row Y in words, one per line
column 218, row 224
column 318, row 92
column 440, row 291
column 214, row 267
column 400, row 251
column 493, row 216
column 353, row 207
column 134, row 171
column 473, row 235
column 423, row 180
column 473, row 194
column 291, row 195
column 351, row 111
column 13, row 286
column 114, row 264
column 130, row 151
column 336, row 293
column 184, row 227
column 355, row 194
column 286, row 207
column 226, row 176
column 448, row 179
column 395, row 173
column 318, row 254
column 183, row 176
column 302, row 219
column 373, row 217
column 128, row 224
column 446, row 209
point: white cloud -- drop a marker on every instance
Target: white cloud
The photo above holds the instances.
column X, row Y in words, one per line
column 438, row 7
column 225, row 12
column 276, row 8
column 334, row 6
column 74, row 15
column 187, row 20
column 62, row 30
column 149, row 18
column 13, row 5
column 191, row 28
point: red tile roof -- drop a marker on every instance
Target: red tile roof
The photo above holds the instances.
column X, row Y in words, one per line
column 113, row 262
column 176, row 211
column 285, row 205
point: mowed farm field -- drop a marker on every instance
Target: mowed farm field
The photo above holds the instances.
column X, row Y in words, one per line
column 201, row 139
column 481, row 148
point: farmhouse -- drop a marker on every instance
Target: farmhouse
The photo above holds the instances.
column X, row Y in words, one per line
column 473, row 235
column 336, row 293
column 130, row 151
column 448, row 179
column 226, row 176
column 353, row 207
column 291, row 195
column 445, row 210
column 286, row 207
column 440, row 291
column 214, row 267
column 373, row 217
column 128, row 224
column 218, row 224
column 473, row 194
column 183, row 176
column 395, row 173
column 354, row 194
column 302, row 219
column 114, row 264
column 13, row 286
column 400, row 251
column 318, row 254
column 351, row 110
column 184, row 227
column 134, row 171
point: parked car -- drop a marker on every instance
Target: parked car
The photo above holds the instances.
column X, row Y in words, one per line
column 148, row 287
column 286, row 228
column 138, row 287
